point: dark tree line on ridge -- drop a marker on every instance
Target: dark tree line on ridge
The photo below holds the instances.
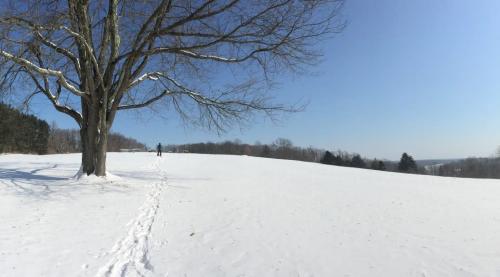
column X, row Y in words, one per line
column 339, row 158
column 24, row 133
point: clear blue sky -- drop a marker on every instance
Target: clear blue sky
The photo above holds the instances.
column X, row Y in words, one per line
column 421, row 77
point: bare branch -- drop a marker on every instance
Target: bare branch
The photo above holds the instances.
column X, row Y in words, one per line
column 54, row 100
column 145, row 103
column 147, row 76
column 43, row 71
column 166, row 44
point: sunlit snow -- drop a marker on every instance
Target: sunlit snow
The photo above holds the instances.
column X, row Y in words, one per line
column 209, row 215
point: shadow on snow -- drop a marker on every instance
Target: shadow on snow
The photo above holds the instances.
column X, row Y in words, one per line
column 38, row 186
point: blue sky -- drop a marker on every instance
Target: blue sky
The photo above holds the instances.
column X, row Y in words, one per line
column 421, row 77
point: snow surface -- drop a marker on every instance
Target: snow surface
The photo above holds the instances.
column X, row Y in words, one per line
column 207, row 215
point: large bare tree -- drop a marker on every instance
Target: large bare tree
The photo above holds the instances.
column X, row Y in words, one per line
column 91, row 59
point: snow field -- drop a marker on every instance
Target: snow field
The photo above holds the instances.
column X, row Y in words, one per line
column 207, row 215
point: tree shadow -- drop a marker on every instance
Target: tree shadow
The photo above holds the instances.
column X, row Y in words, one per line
column 41, row 169
column 29, row 183
column 45, row 187
column 14, row 174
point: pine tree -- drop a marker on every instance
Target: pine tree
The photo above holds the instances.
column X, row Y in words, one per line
column 357, row 161
column 327, row 158
column 22, row 133
column 381, row 165
column 377, row 165
column 338, row 160
column 407, row 164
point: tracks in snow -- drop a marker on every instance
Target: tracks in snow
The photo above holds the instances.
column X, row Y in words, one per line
column 129, row 255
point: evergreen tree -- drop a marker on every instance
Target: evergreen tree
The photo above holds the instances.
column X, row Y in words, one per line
column 381, row 165
column 357, row 161
column 407, row 164
column 377, row 165
column 327, row 158
column 22, row 133
column 338, row 160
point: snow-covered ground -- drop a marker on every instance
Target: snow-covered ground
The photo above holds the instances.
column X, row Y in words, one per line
column 206, row 215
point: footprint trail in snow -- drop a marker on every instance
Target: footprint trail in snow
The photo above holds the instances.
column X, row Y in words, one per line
column 130, row 255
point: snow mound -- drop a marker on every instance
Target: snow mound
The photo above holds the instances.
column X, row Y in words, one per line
column 82, row 177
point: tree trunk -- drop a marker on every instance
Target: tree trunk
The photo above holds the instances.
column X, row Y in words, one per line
column 102, row 147
column 87, row 153
column 94, row 140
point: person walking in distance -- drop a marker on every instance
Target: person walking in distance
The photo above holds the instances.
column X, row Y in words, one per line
column 158, row 149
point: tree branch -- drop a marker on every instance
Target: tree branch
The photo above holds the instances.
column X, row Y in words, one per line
column 46, row 72
column 54, row 100
column 145, row 103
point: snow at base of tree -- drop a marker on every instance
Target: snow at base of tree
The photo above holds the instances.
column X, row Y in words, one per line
column 82, row 177
column 217, row 215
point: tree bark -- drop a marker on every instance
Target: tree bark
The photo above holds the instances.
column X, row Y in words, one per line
column 87, row 153
column 102, row 141
column 86, row 142
column 102, row 147
column 94, row 139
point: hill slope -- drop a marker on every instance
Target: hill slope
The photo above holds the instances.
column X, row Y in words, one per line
column 205, row 215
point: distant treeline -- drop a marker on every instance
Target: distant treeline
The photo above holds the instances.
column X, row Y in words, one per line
column 68, row 141
column 22, row 133
column 280, row 149
column 342, row 158
column 283, row 148
column 469, row 168
column 406, row 164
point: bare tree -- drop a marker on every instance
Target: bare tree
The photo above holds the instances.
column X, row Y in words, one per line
column 91, row 59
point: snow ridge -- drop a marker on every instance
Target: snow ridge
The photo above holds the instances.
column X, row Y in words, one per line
column 129, row 256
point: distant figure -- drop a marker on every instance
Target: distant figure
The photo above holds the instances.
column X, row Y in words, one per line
column 158, row 149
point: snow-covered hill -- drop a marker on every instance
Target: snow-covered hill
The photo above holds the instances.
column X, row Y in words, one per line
column 206, row 215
